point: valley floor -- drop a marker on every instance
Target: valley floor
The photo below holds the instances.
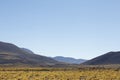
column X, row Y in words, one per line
column 60, row 74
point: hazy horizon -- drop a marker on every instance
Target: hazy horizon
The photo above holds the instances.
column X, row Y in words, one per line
column 70, row 28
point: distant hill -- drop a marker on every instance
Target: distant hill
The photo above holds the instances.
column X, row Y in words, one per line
column 11, row 54
column 106, row 59
column 69, row 60
column 27, row 50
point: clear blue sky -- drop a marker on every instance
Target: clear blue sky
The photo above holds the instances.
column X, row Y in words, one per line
column 73, row 28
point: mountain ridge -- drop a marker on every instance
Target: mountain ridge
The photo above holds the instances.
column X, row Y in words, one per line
column 69, row 60
column 105, row 59
column 12, row 54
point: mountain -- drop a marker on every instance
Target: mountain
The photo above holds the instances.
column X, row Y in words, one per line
column 106, row 59
column 11, row 54
column 27, row 50
column 69, row 60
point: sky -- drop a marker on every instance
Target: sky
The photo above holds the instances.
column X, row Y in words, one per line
column 71, row 28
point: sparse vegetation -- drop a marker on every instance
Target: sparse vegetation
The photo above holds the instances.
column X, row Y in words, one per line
column 58, row 74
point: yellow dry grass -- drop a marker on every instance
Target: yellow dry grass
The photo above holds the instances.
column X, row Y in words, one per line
column 40, row 74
